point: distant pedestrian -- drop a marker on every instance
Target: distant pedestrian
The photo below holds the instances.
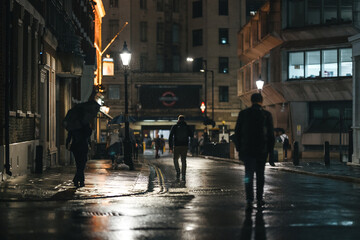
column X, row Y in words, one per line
column 78, row 140
column 114, row 146
column 162, row 145
column 195, row 146
column 157, row 143
column 254, row 133
column 285, row 142
column 180, row 135
column 223, row 140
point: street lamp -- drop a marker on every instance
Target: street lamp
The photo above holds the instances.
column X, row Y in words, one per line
column 260, row 84
column 125, row 55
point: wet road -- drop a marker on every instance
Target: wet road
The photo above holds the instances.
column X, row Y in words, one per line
column 209, row 205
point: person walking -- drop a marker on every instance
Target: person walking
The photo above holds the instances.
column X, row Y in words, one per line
column 157, row 143
column 285, row 142
column 79, row 139
column 180, row 135
column 254, row 140
column 162, row 146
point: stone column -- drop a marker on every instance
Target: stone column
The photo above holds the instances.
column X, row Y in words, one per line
column 355, row 41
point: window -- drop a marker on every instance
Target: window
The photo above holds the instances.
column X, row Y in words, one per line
column 296, row 65
column 345, row 62
column 223, row 36
column 160, row 5
column 329, row 65
column 160, row 63
column 223, row 94
column 143, row 31
column 197, row 64
column 143, row 62
column 197, row 9
column 113, row 27
column 330, row 11
column 346, row 11
column 223, row 7
column 114, row 92
column 320, row 63
column 176, row 63
column 114, row 3
column 312, row 68
column 175, row 33
column 223, row 65
column 143, row 4
column 176, row 6
column 314, row 12
column 160, row 32
column 325, row 116
column 197, row 37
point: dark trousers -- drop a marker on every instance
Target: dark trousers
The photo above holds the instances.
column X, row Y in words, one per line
column 254, row 165
column 180, row 151
column 80, row 159
column 157, row 148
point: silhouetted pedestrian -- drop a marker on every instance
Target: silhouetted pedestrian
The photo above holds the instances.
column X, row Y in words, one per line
column 79, row 140
column 157, row 143
column 180, row 135
column 255, row 140
column 162, row 146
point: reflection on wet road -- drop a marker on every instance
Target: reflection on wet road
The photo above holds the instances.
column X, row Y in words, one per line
column 209, row 205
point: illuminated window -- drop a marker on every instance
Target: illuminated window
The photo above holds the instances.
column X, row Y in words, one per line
column 223, row 65
column 329, row 62
column 223, row 36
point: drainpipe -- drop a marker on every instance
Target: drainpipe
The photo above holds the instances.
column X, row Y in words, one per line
column 7, row 87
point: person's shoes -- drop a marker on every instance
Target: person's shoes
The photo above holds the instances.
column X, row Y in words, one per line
column 82, row 184
column 76, row 183
column 272, row 164
column 260, row 203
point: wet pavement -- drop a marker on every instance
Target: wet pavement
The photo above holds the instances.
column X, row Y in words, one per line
column 150, row 203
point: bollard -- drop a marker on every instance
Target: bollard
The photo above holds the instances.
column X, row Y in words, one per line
column 327, row 153
column 351, row 147
column 296, row 154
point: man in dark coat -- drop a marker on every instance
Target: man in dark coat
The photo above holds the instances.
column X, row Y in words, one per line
column 254, row 139
column 79, row 139
column 180, row 135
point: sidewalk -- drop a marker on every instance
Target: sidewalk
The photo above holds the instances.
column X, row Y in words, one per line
column 314, row 167
column 55, row 184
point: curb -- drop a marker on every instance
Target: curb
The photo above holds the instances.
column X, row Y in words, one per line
column 286, row 169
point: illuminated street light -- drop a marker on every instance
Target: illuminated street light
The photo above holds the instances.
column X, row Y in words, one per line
column 260, row 84
column 125, row 58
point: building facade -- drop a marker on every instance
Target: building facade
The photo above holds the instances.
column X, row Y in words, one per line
column 44, row 50
column 162, row 84
column 301, row 50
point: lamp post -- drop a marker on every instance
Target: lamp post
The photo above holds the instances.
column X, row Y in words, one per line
column 260, row 84
column 212, row 91
column 125, row 58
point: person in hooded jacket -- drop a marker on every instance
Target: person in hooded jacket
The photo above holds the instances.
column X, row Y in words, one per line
column 180, row 135
column 255, row 140
column 79, row 139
